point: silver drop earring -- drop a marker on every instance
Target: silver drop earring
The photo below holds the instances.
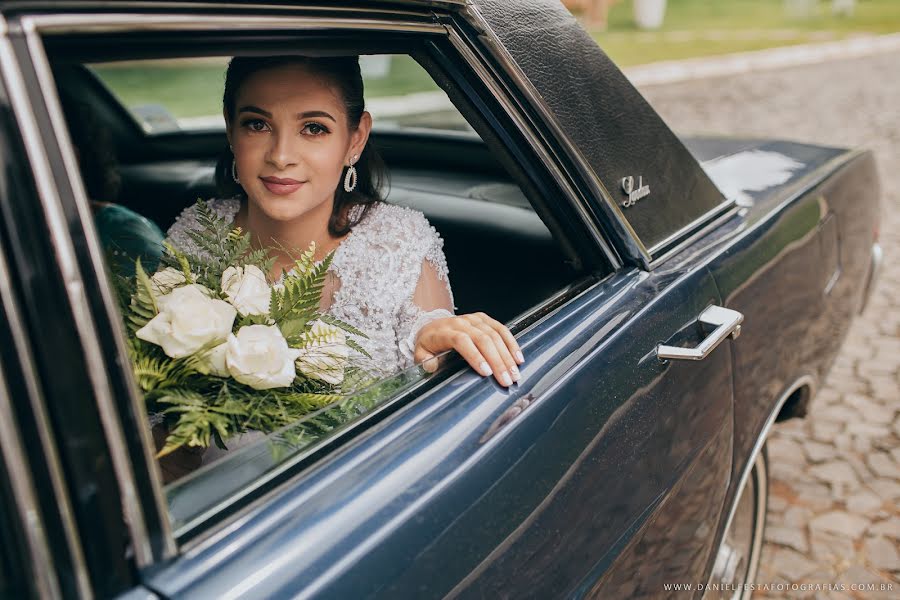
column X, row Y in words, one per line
column 351, row 177
column 234, row 174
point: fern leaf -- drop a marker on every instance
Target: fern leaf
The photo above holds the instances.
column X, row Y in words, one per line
column 343, row 326
column 353, row 344
column 143, row 296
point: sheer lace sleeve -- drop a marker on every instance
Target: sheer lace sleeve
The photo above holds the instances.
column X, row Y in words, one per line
column 432, row 298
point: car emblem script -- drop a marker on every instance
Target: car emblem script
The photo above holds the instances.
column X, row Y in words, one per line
column 634, row 193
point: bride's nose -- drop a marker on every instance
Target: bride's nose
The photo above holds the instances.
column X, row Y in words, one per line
column 283, row 151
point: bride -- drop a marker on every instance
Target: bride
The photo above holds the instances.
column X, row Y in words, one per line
column 298, row 170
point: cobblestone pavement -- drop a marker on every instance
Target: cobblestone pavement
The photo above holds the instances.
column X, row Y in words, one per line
column 834, row 476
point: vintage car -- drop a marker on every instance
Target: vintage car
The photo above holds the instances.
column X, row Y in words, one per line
column 625, row 259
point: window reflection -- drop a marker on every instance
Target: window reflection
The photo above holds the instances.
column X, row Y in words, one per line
column 229, row 475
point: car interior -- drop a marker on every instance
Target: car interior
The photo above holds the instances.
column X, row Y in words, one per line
column 502, row 258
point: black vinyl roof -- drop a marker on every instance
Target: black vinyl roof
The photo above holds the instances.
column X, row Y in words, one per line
column 617, row 132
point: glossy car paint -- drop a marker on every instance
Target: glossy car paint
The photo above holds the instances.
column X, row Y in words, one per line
column 797, row 268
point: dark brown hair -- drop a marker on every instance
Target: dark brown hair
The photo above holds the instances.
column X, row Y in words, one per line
column 342, row 72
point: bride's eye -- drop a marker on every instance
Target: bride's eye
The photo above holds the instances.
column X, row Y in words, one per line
column 254, row 124
column 315, row 129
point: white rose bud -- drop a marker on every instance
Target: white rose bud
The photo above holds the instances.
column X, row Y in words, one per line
column 164, row 281
column 325, row 353
column 188, row 320
column 213, row 361
column 246, row 288
column 259, row 356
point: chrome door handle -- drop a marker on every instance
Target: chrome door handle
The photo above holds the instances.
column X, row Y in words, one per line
column 727, row 324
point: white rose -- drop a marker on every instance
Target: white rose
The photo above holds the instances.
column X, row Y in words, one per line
column 259, row 356
column 188, row 320
column 246, row 288
column 164, row 281
column 213, row 361
column 325, row 353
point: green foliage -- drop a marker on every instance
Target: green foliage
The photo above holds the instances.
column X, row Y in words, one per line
column 219, row 247
column 296, row 304
column 153, row 369
column 347, row 328
column 200, row 408
column 142, row 306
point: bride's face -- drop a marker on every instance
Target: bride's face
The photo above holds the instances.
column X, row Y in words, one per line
column 291, row 142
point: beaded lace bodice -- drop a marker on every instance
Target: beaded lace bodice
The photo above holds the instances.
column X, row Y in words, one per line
column 377, row 268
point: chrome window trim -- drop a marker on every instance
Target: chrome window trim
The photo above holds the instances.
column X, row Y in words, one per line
column 14, row 458
column 12, row 80
column 25, row 498
column 499, row 52
column 416, row 7
column 65, row 253
column 707, row 216
column 473, row 62
column 109, row 23
column 701, row 226
column 115, row 435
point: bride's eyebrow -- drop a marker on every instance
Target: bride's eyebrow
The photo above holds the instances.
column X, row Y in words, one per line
column 315, row 113
column 304, row 115
column 255, row 109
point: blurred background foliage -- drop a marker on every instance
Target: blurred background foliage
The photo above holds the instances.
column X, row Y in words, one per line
column 693, row 28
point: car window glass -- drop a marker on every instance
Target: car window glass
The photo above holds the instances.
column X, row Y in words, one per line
column 255, row 458
column 169, row 95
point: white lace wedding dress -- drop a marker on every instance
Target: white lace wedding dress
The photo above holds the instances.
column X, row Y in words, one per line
column 376, row 272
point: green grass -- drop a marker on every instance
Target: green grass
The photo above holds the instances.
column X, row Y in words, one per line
column 628, row 53
column 185, row 90
column 695, row 28
column 193, row 88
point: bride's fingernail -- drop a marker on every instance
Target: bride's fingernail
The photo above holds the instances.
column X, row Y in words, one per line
column 505, row 379
column 515, row 372
column 485, row 368
column 519, row 356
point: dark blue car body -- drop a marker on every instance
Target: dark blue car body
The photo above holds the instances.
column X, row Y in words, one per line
column 606, row 473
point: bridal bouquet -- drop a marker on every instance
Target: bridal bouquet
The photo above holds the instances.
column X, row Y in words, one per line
column 218, row 351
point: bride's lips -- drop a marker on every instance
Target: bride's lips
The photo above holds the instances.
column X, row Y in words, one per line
column 281, row 187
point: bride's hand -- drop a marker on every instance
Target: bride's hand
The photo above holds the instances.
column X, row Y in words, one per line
column 487, row 345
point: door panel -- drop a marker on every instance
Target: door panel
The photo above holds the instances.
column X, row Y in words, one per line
column 653, row 444
column 797, row 273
